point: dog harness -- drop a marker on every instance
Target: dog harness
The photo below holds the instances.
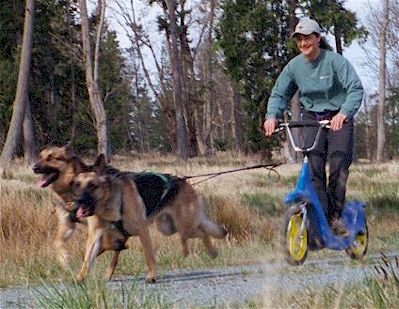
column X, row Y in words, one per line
column 155, row 189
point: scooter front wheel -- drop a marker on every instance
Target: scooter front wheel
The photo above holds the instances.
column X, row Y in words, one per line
column 359, row 247
column 294, row 236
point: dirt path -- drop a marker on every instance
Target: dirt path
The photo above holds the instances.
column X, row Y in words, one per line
column 230, row 285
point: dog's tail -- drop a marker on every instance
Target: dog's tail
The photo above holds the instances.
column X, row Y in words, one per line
column 210, row 227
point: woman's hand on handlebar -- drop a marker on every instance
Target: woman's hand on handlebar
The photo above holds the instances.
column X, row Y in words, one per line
column 337, row 121
column 269, row 126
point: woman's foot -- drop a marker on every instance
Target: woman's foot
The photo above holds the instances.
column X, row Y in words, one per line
column 339, row 228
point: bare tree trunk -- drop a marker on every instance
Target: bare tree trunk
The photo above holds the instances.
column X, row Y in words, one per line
column 99, row 31
column 211, row 99
column 140, row 40
column 190, row 100
column 338, row 40
column 188, row 83
column 177, row 73
column 237, row 120
column 96, row 102
column 15, row 130
column 382, row 83
column 29, row 135
column 367, row 129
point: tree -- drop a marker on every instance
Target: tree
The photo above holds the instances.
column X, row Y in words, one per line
column 392, row 123
column 252, row 36
column 177, row 75
column 92, row 75
column 382, row 82
column 21, row 97
column 29, row 135
column 335, row 19
column 158, row 83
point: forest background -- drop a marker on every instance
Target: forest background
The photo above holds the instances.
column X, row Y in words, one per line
column 192, row 78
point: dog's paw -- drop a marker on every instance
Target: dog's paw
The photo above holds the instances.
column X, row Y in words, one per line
column 80, row 279
column 151, row 280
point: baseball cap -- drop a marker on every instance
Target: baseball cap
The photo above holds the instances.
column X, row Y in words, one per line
column 306, row 26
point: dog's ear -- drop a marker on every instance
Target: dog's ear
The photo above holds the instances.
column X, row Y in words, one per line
column 100, row 161
column 69, row 151
column 100, row 164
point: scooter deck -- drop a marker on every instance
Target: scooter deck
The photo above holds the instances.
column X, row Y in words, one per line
column 320, row 233
column 321, row 236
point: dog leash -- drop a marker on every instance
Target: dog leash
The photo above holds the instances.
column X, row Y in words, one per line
column 270, row 167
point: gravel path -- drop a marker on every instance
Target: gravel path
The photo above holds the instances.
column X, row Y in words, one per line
column 230, row 285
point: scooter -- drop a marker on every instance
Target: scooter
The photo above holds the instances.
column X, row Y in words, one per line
column 305, row 226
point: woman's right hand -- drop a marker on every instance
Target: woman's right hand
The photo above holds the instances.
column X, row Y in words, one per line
column 269, row 126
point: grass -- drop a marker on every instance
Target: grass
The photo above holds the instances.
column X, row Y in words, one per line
column 248, row 203
column 96, row 294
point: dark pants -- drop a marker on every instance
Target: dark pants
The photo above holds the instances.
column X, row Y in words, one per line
column 336, row 147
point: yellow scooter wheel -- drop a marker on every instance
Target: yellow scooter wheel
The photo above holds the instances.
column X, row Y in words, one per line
column 293, row 241
column 359, row 247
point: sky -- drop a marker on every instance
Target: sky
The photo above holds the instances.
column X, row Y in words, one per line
column 354, row 53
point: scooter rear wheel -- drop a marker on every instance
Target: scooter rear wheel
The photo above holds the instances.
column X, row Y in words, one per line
column 358, row 249
column 294, row 245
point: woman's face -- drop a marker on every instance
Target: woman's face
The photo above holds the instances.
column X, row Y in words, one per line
column 308, row 45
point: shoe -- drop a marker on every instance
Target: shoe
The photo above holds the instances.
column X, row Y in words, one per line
column 339, row 228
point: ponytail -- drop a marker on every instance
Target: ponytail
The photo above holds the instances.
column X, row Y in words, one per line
column 324, row 45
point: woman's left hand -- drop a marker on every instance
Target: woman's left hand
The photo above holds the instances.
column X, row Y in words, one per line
column 337, row 121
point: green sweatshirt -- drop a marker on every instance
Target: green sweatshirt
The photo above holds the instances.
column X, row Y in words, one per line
column 326, row 83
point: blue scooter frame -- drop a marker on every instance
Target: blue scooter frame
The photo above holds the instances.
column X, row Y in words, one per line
column 306, row 226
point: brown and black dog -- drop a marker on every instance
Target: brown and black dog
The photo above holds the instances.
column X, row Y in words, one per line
column 58, row 167
column 116, row 202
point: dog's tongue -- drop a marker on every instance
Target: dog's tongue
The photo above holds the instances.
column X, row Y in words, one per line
column 46, row 180
column 43, row 182
column 79, row 213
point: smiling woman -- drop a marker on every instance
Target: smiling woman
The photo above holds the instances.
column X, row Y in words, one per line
column 329, row 89
column 308, row 45
column 307, row 38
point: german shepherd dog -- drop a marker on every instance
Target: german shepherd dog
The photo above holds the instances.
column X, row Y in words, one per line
column 58, row 167
column 116, row 203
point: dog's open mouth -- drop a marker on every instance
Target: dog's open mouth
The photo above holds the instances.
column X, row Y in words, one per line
column 84, row 212
column 86, row 204
column 49, row 175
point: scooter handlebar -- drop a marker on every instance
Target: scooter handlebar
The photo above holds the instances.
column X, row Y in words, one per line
column 306, row 123
column 301, row 124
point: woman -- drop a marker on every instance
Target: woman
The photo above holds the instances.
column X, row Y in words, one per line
column 329, row 89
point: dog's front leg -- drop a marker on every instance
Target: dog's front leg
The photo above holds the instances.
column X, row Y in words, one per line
column 184, row 246
column 64, row 232
column 112, row 265
column 145, row 239
column 93, row 248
